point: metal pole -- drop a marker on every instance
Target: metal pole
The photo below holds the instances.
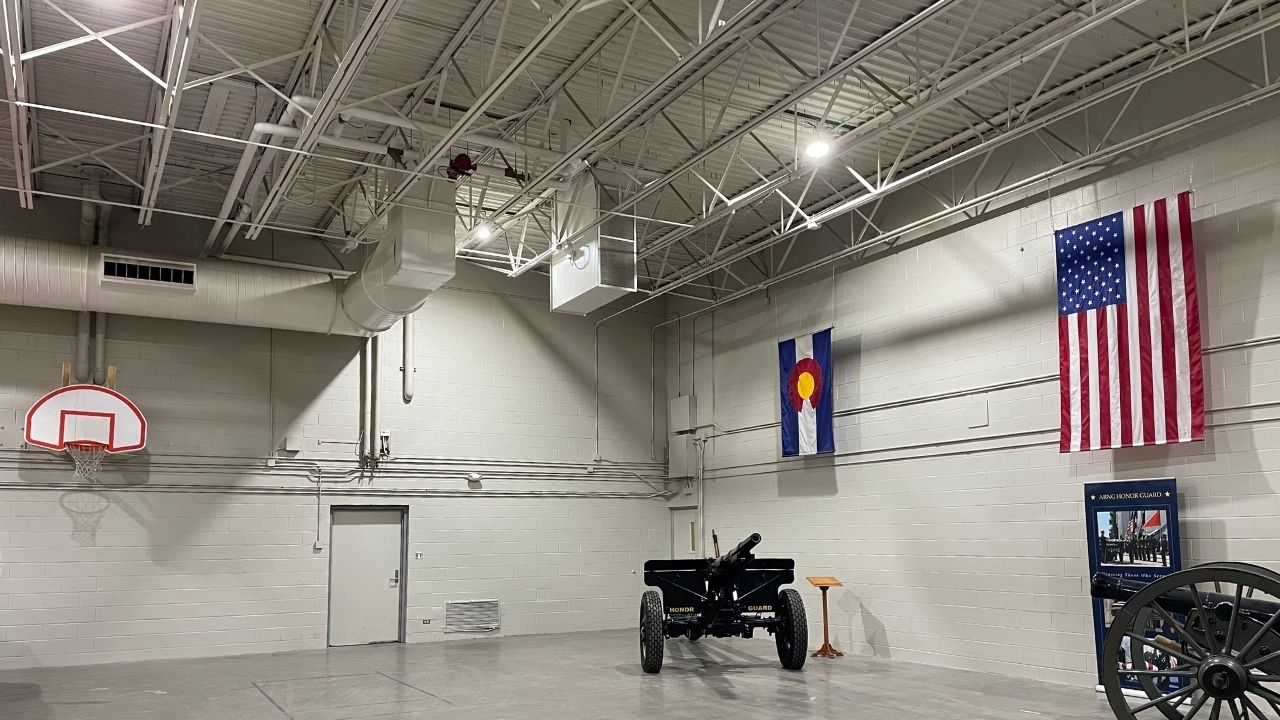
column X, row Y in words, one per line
column 598, row 457
column 100, row 348
column 361, row 441
column 406, row 361
column 372, row 440
column 82, row 373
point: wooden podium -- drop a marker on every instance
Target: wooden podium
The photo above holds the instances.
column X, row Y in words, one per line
column 824, row 583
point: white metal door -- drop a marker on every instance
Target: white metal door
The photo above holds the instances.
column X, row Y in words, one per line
column 684, row 533
column 366, row 559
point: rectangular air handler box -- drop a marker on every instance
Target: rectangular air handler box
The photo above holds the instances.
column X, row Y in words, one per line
column 598, row 267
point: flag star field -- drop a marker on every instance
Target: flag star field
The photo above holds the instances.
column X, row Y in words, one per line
column 1091, row 265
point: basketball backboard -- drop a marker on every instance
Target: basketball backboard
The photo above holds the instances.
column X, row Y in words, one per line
column 86, row 414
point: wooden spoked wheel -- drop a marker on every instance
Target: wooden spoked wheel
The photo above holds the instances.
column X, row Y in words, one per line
column 1201, row 643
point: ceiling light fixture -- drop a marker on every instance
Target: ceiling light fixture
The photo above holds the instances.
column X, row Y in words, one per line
column 484, row 232
column 818, row 148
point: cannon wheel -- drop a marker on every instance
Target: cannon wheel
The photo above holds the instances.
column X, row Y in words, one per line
column 652, row 631
column 792, row 635
column 1221, row 675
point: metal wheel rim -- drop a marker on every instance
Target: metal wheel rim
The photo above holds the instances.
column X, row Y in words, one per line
column 1195, row 704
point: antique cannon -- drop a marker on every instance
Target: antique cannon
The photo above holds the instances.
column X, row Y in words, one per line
column 1202, row 641
column 729, row 595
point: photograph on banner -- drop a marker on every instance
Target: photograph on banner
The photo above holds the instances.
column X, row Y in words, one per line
column 1132, row 532
column 1133, row 537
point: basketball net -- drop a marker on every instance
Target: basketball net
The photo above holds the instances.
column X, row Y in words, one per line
column 88, row 457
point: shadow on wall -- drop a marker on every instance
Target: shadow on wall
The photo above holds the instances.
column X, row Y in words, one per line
column 84, row 506
column 85, row 509
column 1009, row 302
column 1145, row 155
column 1156, row 461
column 846, row 357
column 1228, row 374
column 816, row 479
column 873, row 633
column 1253, row 222
column 555, row 334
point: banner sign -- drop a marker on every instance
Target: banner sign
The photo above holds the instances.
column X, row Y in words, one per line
column 1132, row 531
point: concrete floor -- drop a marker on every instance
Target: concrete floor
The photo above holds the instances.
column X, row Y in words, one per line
column 593, row 676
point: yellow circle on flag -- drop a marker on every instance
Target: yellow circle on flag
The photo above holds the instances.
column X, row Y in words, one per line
column 804, row 385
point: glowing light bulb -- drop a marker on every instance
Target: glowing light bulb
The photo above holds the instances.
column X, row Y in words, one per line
column 484, row 232
column 817, row 149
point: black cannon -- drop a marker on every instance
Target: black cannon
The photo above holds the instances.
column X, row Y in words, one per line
column 1194, row 641
column 729, row 595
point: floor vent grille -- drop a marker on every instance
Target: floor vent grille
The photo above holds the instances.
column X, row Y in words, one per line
column 474, row 616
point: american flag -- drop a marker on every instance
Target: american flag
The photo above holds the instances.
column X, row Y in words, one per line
column 1129, row 329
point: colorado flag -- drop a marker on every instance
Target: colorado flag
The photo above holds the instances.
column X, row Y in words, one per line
column 808, row 390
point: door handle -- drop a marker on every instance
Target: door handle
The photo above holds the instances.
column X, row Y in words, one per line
column 395, row 580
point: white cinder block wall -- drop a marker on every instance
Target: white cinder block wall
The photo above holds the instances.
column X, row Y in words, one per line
column 963, row 546
column 196, row 547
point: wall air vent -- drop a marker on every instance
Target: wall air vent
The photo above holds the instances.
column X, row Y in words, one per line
column 146, row 271
column 477, row 616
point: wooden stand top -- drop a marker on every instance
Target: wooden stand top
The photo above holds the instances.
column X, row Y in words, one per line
column 824, row 581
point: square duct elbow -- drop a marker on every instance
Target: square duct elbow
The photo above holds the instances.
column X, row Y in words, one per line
column 422, row 235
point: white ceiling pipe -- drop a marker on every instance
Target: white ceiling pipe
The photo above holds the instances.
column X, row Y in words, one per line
column 434, row 129
column 211, row 244
column 330, row 140
column 89, row 210
column 100, row 348
column 406, row 360
column 83, row 320
column 345, row 73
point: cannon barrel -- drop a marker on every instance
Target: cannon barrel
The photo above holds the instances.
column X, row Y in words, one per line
column 1179, row 600
column 739, row 554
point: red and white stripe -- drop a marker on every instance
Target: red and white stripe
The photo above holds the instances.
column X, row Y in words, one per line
column 1130, row 374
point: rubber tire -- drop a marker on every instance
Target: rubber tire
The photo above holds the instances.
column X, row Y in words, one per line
column 792, row 636
column 652, row 631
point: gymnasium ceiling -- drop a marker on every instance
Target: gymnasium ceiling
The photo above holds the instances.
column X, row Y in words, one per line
column 695, row 115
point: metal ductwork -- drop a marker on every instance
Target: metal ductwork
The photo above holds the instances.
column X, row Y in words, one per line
column 47, row 274
column 414, row 259
column 598, row 267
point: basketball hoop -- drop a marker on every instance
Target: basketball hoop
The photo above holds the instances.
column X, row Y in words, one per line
column 86, row 422
column 87, row 456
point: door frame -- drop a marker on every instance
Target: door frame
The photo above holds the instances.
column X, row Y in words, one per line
column 671, row 517
column 404, row 568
